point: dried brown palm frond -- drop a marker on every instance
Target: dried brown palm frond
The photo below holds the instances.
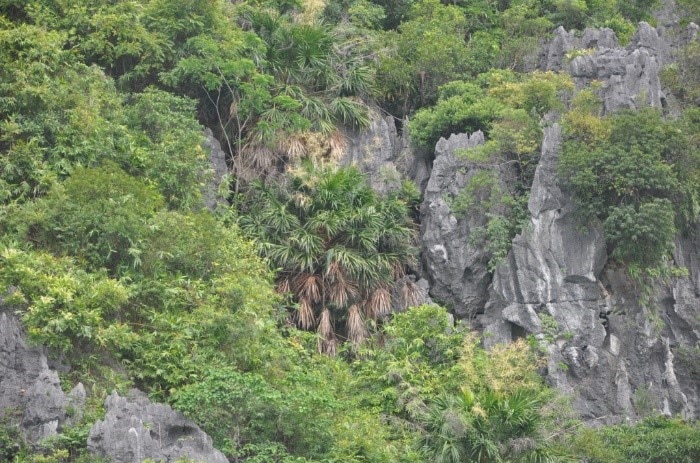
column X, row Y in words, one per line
column 334, row 271
column 301, row 200
column 340, row 292
column 378, row 304
column 244, row 171
column 325, row 325
column 294, row 146
column 305, row 314
column 327, row 341
column 409, row 294
column 337, row 144
column 521, row 445
column 327, row 347
column 308, row 286
column 283, row 286
column 398, row 271
column 260, row 157
column 357, row 331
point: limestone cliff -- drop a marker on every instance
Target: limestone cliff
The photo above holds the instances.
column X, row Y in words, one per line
column 616, row 358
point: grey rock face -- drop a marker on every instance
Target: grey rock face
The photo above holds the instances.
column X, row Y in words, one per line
column 217, row 161
column 373, row 150
column 552, row 268
column 630, row 78
column 554, row 54
column 455, row 266
column 135, row 429
column 629, row 75
column 30, row 392
column 614, row 357
column 385, row 156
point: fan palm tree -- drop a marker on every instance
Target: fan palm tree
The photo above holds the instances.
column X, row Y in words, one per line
column 488, row 427
column 319, row 84
column 338, row 247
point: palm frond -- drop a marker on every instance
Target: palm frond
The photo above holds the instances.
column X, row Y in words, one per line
column 305, row 314
column 350, row 112
column 409, row 294
column 327, row 340
column 340, row 291
column 378, row 305
column 283, row 286
column 293, row 146
column 308, row 286
column 357, row 331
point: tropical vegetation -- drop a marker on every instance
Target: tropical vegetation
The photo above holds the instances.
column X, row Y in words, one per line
column 110, row 260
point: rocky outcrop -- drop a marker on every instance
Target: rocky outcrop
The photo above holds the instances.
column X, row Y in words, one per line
column 554, row 54
column 616, row 358
column 30, row 392
column 553, row 265
column 612, row 355
column 629, row 76
column 133, row 430
column 217, row 162
column 454, row 263
column 385, row 155
column 136, row 429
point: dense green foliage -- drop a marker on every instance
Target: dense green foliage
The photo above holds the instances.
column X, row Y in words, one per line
column 423, row 45
column 638, row 174
column 109, row 259
column 471, row 405
column 653, row 440
column 682, row 77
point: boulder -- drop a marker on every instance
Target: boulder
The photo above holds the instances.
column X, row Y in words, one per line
column 135, row 429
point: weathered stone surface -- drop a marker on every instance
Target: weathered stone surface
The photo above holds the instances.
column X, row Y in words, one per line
column 630, row 78
column 135, row 429
column 552, row 268
column 217, row 162
column 629, row 75
column 555, row 258
column 373, row 150
column 386, row 156
column 614, row 357
column 455, row 266
column 554, row 55
column 30, row 392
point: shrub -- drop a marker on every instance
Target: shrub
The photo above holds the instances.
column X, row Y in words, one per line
column 97, row 214
column 627, row 171
column 654, row 439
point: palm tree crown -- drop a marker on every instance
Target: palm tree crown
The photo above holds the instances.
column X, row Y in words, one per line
column 338, row 245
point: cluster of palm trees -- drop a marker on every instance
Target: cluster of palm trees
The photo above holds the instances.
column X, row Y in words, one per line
column 338, row 247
